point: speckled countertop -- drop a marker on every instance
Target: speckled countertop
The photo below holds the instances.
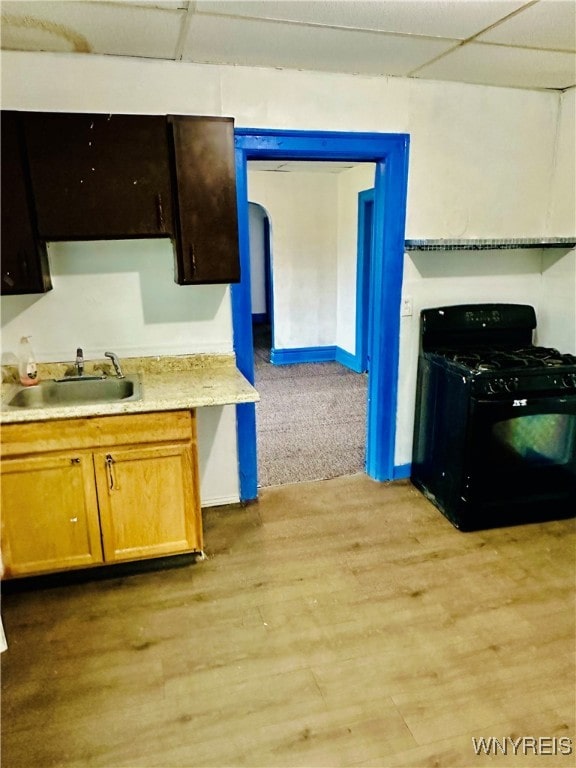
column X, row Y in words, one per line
column 168, row 384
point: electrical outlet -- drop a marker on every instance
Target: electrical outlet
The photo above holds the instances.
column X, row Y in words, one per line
column 406, row 310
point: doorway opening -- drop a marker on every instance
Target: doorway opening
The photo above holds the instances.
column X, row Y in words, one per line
column 389, row 153
column 303, row 233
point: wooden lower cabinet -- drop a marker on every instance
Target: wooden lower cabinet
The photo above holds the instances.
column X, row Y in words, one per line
column 49, row 514
column 90, row 491
column 146, row 499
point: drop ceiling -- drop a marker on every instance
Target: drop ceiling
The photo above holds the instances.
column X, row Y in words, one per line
column 509, row 43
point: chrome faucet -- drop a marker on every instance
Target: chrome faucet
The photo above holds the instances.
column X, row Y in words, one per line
column 116, row 363
column 79, row 362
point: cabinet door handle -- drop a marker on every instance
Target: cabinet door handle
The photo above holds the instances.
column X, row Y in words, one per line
column 193, row 259
column 113, row 485
column 75, row 460
column 160, row 212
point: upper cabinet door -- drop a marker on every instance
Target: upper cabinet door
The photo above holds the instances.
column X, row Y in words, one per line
column 99, row 176
column 207, row 230
column 24, row 258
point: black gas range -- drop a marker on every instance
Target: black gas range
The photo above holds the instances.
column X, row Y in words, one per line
column 495, row 420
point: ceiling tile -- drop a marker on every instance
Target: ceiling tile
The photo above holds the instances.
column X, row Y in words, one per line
column 224, row 40
column 433, row 18
column 106, row 28
column 370, row 37
column 548, row 24
column 510, row 67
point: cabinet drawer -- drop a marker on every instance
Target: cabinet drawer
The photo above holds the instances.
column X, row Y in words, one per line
column 97, row 432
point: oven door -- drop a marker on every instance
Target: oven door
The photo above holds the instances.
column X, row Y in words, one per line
column 520, row 463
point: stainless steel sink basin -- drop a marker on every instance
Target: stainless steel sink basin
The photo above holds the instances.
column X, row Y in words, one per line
column 78, row 391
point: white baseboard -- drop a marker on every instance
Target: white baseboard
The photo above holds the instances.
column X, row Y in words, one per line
column 220, row 501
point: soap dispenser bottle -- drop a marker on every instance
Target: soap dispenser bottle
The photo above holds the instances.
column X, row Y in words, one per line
column 27, row 369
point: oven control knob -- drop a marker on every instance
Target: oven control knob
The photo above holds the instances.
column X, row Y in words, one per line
column 569, row 380
column 494, row 386
column 511, row 385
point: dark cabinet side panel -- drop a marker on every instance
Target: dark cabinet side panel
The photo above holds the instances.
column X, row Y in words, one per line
column 207, row 218
column 100, row 176
column 24, row 257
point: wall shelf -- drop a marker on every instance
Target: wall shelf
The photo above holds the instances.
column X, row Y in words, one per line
column 490, row 245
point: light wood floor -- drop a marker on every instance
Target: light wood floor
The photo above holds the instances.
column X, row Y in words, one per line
column 340, row 623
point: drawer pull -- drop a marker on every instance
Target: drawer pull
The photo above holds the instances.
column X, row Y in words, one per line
column 75, row 460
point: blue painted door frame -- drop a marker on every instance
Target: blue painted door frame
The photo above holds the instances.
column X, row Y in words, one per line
column 363, row 280
column 390, row 154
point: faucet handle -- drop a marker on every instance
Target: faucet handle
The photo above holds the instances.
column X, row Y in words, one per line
column 79, row 361
column 116, row 363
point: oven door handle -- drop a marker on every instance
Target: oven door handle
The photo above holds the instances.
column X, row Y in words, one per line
column 520, row 404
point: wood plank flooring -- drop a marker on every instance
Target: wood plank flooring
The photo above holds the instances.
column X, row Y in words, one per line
column 338, row 623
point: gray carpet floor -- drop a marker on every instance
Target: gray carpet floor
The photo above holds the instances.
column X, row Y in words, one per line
column 311, row 419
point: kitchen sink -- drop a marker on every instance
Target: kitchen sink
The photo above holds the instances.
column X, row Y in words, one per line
column 55, row 393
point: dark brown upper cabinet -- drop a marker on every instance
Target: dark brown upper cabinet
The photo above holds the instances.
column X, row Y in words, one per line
column 206, row 218
column 24, row 259
column 99, row 176
column 103, row 177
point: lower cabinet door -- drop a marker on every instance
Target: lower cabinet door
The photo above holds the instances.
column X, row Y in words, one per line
column 49, row 514
column 147, row 501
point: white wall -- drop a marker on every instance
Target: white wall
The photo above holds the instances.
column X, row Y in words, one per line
column 314, row 230
column 562, row 204
column 120, row 295
column 557, row 316
column 481, row 161
column 484, row 162
column 557, row 320
column 302, row 210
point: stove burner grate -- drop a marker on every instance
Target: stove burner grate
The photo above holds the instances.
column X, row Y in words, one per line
column 498, row 359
